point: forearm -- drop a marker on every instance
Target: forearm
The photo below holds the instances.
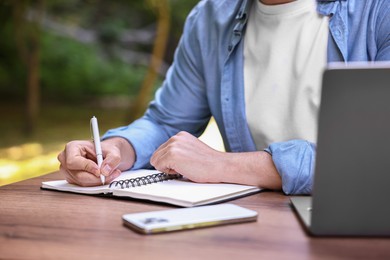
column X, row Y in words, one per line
column 250, row 168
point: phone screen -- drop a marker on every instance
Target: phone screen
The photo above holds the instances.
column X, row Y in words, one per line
column 187, row 218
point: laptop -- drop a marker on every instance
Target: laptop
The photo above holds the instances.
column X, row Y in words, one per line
column 351, row 189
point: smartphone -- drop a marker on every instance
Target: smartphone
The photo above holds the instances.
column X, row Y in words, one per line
column 187, row 218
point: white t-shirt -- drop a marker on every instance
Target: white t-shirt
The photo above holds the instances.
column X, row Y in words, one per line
column 284, row 58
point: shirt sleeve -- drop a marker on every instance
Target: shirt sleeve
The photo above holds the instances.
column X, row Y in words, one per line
column 180, row 104
column 295, row 161
column 383, row 32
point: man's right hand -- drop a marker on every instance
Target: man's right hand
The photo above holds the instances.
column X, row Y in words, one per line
column 78, row 161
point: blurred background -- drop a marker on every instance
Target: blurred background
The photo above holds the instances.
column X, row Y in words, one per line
column 63, row 61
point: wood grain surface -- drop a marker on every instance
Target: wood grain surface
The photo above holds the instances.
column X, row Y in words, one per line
column 42, row 224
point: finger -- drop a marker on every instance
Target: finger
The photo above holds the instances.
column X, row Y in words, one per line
column 171, row 141
column 176, row 143
column 115, row 174
column 164, row 155
column 61, row 157
column 68, row 176
column 111, row 162
column 81, row 164
column 170, row 171
column 161, row 148
column 75, row 159
column 160, row 151
column 163, row 162
column 86, row 179
column 80, row 178
column 155, row 159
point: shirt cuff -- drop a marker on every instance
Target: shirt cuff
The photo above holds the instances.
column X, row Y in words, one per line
column 295, row 161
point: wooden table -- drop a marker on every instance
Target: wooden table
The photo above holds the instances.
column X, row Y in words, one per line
column 42, row 224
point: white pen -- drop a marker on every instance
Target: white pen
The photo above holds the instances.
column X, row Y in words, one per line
column 98, row 147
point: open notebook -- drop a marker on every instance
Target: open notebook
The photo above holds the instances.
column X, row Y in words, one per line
column 156, row 186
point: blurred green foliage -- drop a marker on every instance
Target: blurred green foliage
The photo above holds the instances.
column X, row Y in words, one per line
column 72, row 70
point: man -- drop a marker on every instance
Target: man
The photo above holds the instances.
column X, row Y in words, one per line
column 256, row 66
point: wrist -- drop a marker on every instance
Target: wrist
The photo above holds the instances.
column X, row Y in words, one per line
column 252, row 168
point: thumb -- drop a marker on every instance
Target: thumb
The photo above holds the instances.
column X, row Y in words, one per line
column 110, row 162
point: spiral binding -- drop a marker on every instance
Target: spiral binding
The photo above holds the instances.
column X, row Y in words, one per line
column 144, row 180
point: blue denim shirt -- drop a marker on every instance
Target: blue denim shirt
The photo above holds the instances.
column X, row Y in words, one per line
column 206, row 79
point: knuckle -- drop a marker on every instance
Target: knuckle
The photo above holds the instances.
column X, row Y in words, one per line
column 115, row 159
column 182, row 133
column 69, row 145
column 173, row 151
column 152, row 160
column 86, row 167
column 174, row 139
column 70, row 162
column 90, row 167
column 60, row 157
